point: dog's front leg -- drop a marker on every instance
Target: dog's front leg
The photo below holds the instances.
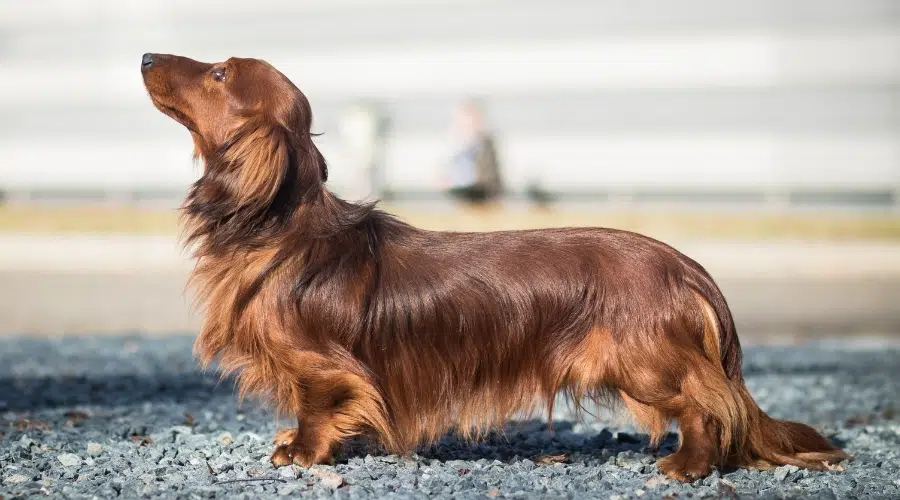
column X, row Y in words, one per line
column 334, row 406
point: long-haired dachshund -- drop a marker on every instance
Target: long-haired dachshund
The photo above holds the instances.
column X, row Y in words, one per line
column 355, row 322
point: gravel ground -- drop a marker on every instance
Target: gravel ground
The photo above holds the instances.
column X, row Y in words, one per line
column 117, row 416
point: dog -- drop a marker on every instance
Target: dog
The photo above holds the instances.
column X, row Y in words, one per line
column 357, row 323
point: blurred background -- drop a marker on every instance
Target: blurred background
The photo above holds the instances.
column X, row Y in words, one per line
column 761, row 138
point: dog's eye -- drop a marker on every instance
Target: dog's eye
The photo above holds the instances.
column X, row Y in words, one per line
column 218, row 74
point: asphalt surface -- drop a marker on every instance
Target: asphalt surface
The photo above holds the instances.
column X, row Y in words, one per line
column 157, row 301
column 125, row 283
column 131, row 417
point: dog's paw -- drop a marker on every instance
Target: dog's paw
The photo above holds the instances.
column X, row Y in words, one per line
column 287, row 454
column 284, row 436
column 684, row 467
column 281, row 456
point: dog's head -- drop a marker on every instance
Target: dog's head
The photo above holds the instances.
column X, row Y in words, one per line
column 247, row 120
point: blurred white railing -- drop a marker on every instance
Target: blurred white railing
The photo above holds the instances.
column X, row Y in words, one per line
column 688, row 96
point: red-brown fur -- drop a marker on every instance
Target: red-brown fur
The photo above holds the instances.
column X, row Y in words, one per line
column 355, row 322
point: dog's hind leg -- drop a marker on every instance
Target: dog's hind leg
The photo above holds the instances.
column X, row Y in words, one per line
column 679, row 383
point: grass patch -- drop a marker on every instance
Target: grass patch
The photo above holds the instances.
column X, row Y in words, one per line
column 147, row 221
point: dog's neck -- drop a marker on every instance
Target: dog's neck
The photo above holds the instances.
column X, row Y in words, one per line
column 315, row 234
column 216, row 224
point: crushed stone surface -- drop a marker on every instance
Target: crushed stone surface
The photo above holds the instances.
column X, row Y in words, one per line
column 133, row 417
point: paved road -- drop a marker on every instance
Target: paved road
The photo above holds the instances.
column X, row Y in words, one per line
column 58, row 301
column 119, row 284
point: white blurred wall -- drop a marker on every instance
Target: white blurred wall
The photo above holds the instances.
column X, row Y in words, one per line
column 586, row 94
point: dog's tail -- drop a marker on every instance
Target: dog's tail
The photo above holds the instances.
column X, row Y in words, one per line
column 757, row 440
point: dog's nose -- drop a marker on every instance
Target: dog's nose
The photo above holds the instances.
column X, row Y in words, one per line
column 146, row 61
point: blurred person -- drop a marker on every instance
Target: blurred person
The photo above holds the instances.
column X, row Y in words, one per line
column 474, row 175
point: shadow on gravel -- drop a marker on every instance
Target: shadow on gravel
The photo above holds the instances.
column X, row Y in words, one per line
column 31, row 392
column 830, row 369
column 531, row 439
column 22, row 394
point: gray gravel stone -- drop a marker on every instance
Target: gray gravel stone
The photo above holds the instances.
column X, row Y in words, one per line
column 17, row 478
column 781, row 473
column 137, row 442
column 69, row 460
column 330, row 479
column 225, row 438
column 287, row 472
column 94, row 449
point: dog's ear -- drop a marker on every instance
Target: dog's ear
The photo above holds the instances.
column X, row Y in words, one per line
column 266, row 161
column 258, row 159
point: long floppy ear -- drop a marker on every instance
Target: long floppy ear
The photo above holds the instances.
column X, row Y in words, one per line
column 268, row 161
column 258, row 159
